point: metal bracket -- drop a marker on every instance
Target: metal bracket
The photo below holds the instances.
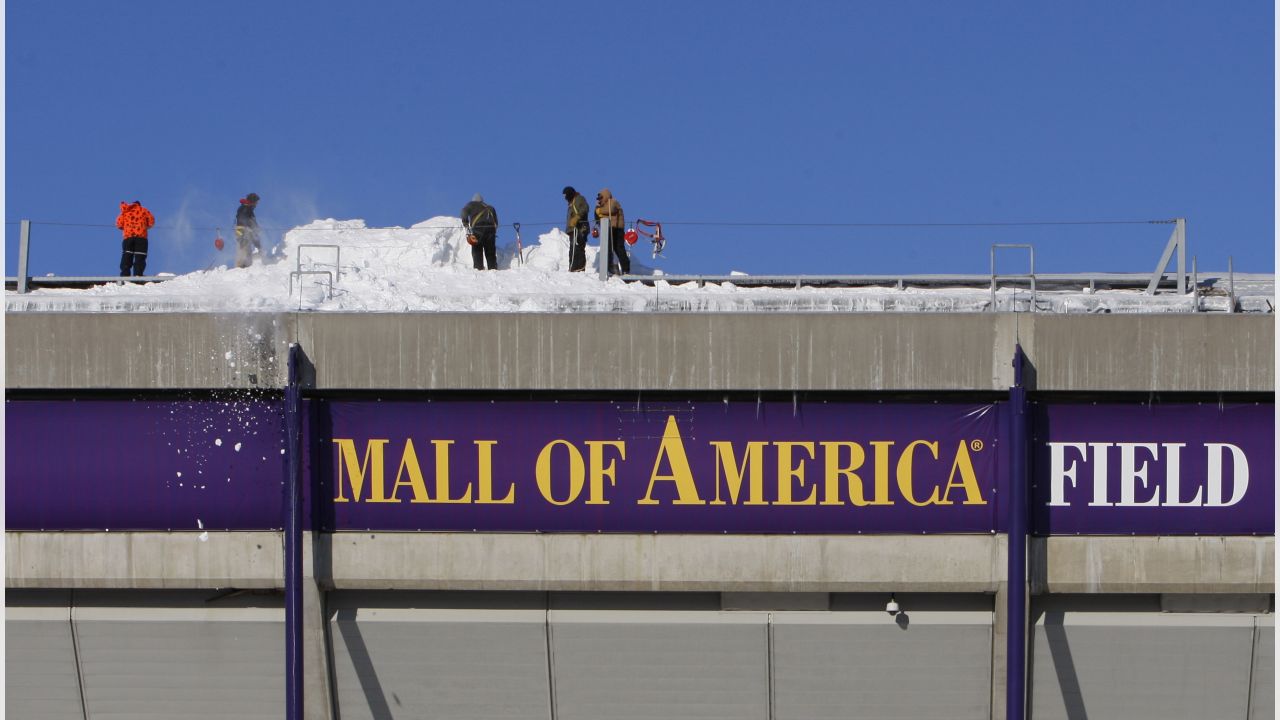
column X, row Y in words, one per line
column 1177, row 241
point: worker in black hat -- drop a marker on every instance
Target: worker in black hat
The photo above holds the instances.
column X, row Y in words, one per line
column 247, row 237
column 481, row 222
column 577, row 225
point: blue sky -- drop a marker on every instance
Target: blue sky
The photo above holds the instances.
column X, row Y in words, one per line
column 899, row 120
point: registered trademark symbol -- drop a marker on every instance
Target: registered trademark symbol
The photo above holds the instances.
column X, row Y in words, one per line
column 975, row 445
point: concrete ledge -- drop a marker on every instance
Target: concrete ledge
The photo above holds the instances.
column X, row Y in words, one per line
column 143, row 560
column 600, row 562
column 1183, row 353
column 734, row 563
column 642, row 351
column 1153, row 565
column 694, row 351
column 160, row 351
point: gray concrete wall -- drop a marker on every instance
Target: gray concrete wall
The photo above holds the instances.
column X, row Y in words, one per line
column 143, row 560
column 1092, row 564
column 507, row 351
column 145, row 350
column 603, row 562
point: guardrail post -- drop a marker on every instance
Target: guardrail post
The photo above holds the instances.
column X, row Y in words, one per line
column 1231, row 285
column 604, row 248
column 24, row 252
column 1177, row 242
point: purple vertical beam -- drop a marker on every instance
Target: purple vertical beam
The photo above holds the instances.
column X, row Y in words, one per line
column 1019, row 479
column 293, row 539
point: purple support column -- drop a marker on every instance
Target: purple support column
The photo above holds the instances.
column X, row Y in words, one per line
column 293, row 538
column 1019, row 481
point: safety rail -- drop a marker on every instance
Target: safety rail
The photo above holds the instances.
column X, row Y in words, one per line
column 337, row 261
column 1031, row 276
column 299, row 273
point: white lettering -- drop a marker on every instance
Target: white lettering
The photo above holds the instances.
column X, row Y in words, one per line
column 1132, row 473
column 1059, row 472
column 1173, row 478
column 1100, row 475
column 1240, row 474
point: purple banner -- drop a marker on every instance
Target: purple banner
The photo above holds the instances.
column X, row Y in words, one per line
column 616, row 466
column 1123, row 469
column 690, row 467
column 143, row 465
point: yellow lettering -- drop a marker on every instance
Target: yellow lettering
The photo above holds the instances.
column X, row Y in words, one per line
column 905, row 476
column 881, row 448
column 672, row 448
column 595, row 491
column 484, row 467
column 576, row 472
column 787, row 472
column 356, row 469
column 831, row 485
column 409, row 462
column 442, row 476
column 968, row 478
column 752, row 460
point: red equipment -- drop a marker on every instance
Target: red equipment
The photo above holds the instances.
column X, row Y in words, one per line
column 656, row 237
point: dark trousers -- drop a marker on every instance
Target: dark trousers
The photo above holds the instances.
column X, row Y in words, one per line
column 618, row 259
column 485, row 249
column 134, row 256
column 578, row 248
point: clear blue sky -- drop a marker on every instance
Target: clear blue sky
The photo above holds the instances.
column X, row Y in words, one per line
column 806, row 112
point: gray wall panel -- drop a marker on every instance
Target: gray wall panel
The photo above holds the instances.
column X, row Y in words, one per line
column 612, row 664
column 440, row 663
column 871, row 665
column 1140, row 665
column 190, row 663
column 40, row 671
column 1262, row 694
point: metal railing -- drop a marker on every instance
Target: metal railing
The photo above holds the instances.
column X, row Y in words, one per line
column 1031, row 276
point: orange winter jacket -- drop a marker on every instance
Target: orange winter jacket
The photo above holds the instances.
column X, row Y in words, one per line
column 134, row 220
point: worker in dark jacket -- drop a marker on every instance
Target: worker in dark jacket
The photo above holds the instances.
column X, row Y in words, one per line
column 247, row 238
column 481, row 220
column 134, row 221
column 615, row 244
column 576, row 225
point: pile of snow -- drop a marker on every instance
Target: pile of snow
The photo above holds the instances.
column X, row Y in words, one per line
column 348, row 267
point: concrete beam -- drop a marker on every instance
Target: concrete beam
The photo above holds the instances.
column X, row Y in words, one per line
column 727, row 563
column 1154, row 353
column 143, row 560
column 1092, row 564
column 643, row 351
column 723, row 351
column 605, row 562
column 146, row 350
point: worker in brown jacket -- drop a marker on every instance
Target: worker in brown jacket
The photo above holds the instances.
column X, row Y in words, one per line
column 134, row 221
column 608, row 206
column 577, row 225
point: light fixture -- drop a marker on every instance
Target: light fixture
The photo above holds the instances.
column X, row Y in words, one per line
column 892, row 606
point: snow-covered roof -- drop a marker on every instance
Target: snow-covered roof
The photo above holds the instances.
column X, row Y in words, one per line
column 427, row 268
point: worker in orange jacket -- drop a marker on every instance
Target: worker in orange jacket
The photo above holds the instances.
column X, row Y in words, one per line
column 134, row 221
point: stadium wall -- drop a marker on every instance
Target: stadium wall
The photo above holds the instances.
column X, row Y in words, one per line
column 380, row 604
